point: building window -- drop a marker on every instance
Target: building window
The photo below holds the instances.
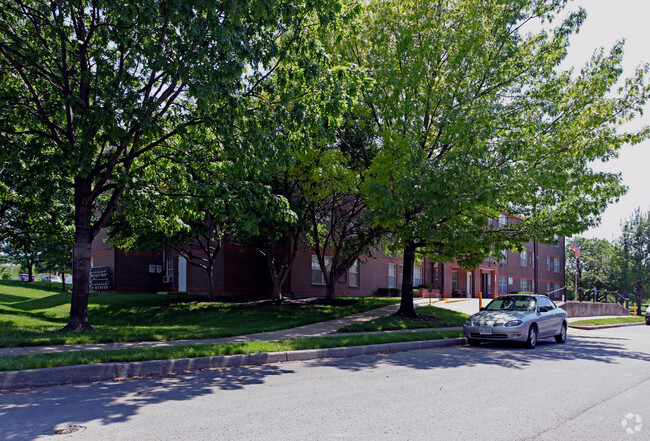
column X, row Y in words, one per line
column 454, row 280
column 170, row 267
column 392, row 275
column 548, row 263
column 523, row 285
column 503, row 257
column 503, row 221
column 503, row 285
column 557, row 240
column 556, row 265
column 417, row 276
column 317, row 276
column 354, row 273
column 523, row 258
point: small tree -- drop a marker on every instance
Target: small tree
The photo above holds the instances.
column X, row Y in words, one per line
column 634, row 244
column 598, row 264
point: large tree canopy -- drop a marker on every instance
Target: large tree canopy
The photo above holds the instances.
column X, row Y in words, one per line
column 88, row 87
column 475, row 118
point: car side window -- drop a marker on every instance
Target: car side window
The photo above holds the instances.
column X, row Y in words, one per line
column 546, row 303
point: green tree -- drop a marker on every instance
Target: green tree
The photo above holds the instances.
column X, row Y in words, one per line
column 89, row 87
column 634, row 245
column 476, row 119
column 598, row 264
column 195, row 200
column 56, row 257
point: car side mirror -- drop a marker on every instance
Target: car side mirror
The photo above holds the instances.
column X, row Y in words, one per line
column 483, row 309
column 543, row 309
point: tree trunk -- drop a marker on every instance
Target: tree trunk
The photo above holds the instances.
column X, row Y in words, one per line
column 30, row 273
column 210, row 270
column 330, row 291
column 62, row 281
column 406, row 307
column 273, row 272
column 83, row 239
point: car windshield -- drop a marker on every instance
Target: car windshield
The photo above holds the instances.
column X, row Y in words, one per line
column 512, row 303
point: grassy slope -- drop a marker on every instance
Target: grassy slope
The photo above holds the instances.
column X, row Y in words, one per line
column 437, row 318
column 29, row 313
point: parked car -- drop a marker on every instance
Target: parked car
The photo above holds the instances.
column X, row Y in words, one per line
column 524, row 318
column 647, row 316
column 68, row 280
column 51, row 279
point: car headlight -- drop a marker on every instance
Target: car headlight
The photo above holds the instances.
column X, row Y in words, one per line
column 513, row 323
column 468, row 322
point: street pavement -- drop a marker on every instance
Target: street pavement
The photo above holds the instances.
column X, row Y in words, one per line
column 594, row 387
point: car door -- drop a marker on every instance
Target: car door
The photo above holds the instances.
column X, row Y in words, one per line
column 546, row 318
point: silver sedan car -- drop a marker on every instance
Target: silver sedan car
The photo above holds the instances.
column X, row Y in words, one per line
column 522, row 318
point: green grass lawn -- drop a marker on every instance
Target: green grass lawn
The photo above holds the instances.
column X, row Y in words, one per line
column 608, row 321
column 37, row 361
column 437, row 318
column 31, row 313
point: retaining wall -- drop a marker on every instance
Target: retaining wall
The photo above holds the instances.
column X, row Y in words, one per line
column 592, row 309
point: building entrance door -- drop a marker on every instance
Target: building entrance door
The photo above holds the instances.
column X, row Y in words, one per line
column 182, row 274
column 486, row 284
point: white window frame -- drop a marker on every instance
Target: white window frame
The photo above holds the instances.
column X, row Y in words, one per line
column 454, row 280
column 556, row 265
column 353, row 279
column 317, row 274
column 503, row 220
column 417, row 276
column 523, row 259
column 392, row 275
column 503, row 285
column 169, row 267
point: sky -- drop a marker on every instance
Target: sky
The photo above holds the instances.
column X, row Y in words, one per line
column 607, row 22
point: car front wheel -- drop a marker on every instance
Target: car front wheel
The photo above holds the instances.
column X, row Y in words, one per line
column 561, row 337
column 531, row 342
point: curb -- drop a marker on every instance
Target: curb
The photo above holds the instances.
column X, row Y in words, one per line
column 57, row 376
column 617, row 325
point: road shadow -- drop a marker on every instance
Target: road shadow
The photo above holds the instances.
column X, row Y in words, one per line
column 115, row 402
column 603, row 350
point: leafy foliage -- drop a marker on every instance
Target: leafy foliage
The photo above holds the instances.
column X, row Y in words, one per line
column 634, row 245
column 476, row 119
column 89, row 87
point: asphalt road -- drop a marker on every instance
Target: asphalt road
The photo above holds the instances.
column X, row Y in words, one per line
column 594, row 387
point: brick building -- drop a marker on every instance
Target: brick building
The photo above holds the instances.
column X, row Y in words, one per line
column 539, row 268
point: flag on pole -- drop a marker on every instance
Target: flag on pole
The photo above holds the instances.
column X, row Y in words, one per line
column 575, row 249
